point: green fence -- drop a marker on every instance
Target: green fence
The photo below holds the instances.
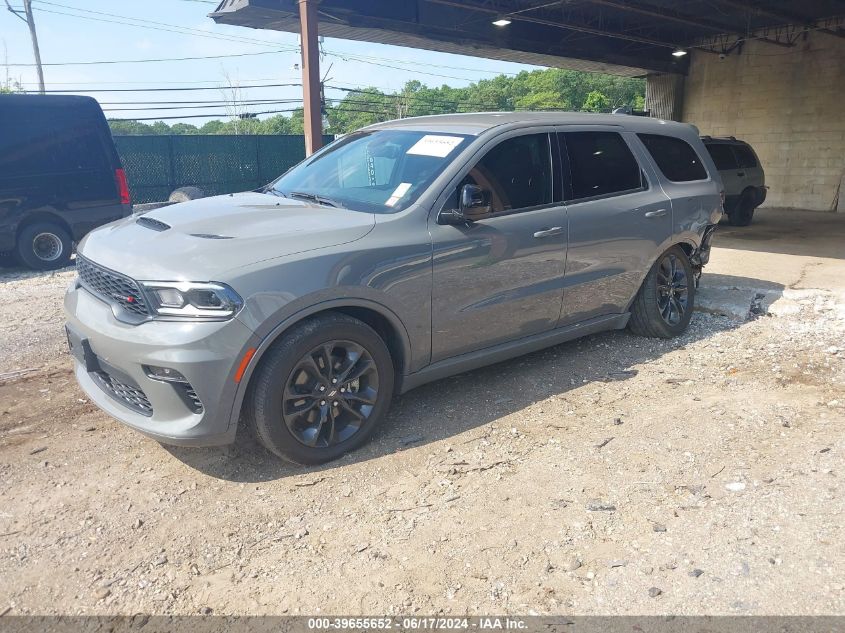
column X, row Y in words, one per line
column 156, row 165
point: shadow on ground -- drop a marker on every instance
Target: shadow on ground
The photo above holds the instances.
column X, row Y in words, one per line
column 455, row 405
column 789, row 232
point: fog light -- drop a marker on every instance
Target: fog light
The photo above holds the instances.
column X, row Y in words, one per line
column 164, row 373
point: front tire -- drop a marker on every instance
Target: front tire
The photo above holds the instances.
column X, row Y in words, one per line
column 663, row 306
column 43, row 246
column 321, row 389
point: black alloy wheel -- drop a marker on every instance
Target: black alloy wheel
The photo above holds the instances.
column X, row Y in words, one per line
column 330, row 393
column 321, row 389
column 672, row 289
column 663, row 306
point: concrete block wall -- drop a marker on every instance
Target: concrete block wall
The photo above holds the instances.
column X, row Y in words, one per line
column 788, row 103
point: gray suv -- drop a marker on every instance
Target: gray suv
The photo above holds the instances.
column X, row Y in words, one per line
column 400, row 254
column 742, row 177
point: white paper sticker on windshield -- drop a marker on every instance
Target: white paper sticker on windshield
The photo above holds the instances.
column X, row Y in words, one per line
column 397, row 194
column 434, row 145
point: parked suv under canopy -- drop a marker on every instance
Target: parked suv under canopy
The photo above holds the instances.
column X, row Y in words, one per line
column 400, row 254
column 742, row 177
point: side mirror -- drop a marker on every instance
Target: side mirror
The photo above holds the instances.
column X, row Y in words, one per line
column 472, row 205
column 474, row 202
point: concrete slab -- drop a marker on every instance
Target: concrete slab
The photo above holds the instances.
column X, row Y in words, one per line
column 771, row 266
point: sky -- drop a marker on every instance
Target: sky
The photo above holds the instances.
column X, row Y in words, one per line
column 104, row 30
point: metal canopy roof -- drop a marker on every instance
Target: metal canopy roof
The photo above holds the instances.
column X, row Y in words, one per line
column 622, row 37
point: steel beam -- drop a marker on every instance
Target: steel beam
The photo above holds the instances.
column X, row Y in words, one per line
column 569, row 26
column 656, row 12
column 786, row 18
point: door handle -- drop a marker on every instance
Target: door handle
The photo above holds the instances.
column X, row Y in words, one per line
column 656, row 214
column 555, row 230
column 741, row 174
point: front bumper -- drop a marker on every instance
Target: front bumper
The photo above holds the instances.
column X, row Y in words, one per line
column 110, row 370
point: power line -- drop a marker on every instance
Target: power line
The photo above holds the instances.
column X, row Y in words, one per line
column 179, row 89
column 152, row 25
column 365, row 58
column 416, row 70
column 144, row 61
column 207, row 116
column 420, row 99
column 209, row 102
column 231, row 105
column 116, row 83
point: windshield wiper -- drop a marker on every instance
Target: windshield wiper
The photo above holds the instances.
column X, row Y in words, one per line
column 314, row 198
column 273, row 192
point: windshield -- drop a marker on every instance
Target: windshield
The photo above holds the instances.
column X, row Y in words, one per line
column 379, row 171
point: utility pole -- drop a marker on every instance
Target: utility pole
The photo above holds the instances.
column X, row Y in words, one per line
column 30, row 22
column 311, row 92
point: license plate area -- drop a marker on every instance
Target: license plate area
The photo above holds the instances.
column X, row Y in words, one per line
column 81, row 350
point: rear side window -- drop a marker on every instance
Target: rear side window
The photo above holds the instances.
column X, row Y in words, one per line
column 517, row 173
column 723, row 156
column 600, row 164
column 39, row 140
column 675, row 157
column 744, row 156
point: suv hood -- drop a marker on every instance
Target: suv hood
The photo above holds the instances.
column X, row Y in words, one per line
column 201, row 239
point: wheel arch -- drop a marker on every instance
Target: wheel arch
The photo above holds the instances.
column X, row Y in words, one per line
column 383, row 320
column 42, row 216
column 685, row 245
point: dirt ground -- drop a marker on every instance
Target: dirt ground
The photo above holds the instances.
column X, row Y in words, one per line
column 611, row 475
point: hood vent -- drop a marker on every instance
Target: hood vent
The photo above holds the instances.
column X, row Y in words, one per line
column 150, row 223
column 211, row 236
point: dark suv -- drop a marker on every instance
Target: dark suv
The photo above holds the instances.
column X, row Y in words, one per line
column 399, row 254
column 742, row 177
column 60, row 176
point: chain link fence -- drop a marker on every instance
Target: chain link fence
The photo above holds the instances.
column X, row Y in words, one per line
column 156, row 165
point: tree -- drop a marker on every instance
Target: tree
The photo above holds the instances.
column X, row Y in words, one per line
column 160, row 127
column 212, row 127
column 183, row 128
column 129, row 128
column 596, row 102
column 549, row 89
column 279, row 124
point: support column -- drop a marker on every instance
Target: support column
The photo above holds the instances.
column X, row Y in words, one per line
column 664, row 96
column 310, row 75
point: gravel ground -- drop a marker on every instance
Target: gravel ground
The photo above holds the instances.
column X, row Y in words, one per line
column 611, row 475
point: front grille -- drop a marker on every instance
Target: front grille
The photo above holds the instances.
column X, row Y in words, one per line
column 128, row 395
column 112, row 286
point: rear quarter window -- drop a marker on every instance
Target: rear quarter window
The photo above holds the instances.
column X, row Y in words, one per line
column 676, row 158
column 43, row 140
column 744, row 156
column 723, row 156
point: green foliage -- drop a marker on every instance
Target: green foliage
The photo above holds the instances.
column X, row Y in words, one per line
column 596, row 102
column 130, row 128
column 549, row 89
column 9, row 86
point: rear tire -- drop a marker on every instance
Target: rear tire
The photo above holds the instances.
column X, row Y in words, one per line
column 43, row 246
column 183, row 194
column 743, row 213
column 664, row 304
column 321, row 389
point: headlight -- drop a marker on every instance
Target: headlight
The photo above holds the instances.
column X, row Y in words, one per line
column 192, row 300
